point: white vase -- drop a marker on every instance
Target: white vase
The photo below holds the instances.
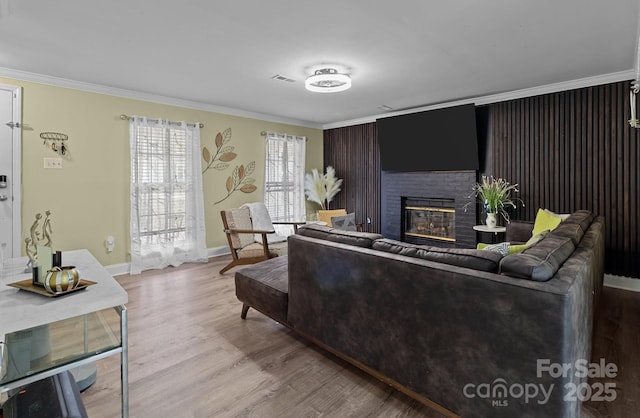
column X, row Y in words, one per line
column 492, row 222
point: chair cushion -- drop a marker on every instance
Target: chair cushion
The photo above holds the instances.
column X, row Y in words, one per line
column 261, row 221
column 240, row 218
column 255, row 250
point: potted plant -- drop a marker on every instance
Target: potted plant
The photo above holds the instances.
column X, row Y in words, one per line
column 321, row 188
column 495, row 197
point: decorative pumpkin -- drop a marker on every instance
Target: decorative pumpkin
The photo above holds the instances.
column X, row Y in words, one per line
column 61, row 279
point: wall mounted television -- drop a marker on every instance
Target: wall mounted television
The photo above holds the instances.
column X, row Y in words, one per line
column 434, row 140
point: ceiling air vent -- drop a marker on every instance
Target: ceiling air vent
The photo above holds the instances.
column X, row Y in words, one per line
column 283, row 78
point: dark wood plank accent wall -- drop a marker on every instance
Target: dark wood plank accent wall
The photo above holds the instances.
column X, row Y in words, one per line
column 574, row 150
column 353, row 152
column 569, row 150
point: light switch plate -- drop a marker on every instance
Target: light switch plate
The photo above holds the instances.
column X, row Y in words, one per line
column 53, row 163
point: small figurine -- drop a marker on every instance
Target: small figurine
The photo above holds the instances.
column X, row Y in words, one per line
column 39, row 235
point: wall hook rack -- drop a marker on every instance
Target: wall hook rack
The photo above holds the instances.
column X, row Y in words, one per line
column 55, row 141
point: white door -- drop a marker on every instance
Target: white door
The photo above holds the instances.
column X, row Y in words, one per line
column 10, row 135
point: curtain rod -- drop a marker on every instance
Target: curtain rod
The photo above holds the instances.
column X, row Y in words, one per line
column 264, row 133
column 126, row 117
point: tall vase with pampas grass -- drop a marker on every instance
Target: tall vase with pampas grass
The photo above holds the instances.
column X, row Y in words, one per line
column 321, row 188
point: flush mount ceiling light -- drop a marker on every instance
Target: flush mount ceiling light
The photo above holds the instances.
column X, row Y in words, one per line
column 327, row 80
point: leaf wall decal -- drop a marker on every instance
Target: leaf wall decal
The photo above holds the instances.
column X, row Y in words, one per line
column 229, row 184
column 227, row 135
column 206, row 154
column 248, row 188
column 229, row 156
column 235, row 176
column 250, row 167
column 241, row 171
column 218, row 140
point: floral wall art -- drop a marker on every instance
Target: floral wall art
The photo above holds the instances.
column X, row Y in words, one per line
column 240, row 176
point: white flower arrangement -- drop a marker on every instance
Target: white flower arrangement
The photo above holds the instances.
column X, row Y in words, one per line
column 320, row 188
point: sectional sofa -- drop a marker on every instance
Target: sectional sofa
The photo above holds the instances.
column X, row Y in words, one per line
column 468, row 332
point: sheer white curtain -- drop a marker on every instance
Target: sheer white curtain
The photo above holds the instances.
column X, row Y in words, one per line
column 284, row 178
column 167, row 204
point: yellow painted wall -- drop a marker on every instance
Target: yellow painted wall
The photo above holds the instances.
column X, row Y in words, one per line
column 89, row 197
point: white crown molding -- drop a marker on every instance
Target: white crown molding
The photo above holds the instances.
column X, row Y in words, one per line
column 499, row 97
column 147, row 97
column 171, row 101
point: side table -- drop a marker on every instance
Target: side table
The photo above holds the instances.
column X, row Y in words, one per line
column 487, row 229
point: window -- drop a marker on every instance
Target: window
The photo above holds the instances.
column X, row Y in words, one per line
column 167, row 210
column 284, row 177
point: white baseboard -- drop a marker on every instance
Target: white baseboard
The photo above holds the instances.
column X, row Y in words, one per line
column 621, row 282
column 218, row 251
column 119, row 269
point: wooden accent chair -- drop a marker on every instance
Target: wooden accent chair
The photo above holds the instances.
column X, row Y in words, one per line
column 241, row 238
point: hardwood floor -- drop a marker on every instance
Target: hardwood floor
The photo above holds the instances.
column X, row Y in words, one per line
column 190, row 355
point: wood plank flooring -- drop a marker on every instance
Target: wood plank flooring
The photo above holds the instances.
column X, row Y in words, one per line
column 190, row 355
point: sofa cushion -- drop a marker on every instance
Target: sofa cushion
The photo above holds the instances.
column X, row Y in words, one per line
column 540, row 261
column 574, row 226
column 355, row 238
column 265, row 286
column 545, row 221
column 345, row 223
column 462, row 257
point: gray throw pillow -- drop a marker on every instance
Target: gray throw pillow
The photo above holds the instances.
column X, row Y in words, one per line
column 346, row 222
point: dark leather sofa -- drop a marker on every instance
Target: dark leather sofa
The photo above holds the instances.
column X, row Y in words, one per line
column 460, row 330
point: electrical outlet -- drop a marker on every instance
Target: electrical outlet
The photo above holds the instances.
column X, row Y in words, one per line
column 53, row 163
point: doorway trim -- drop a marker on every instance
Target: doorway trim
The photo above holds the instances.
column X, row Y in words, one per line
column 16, row 188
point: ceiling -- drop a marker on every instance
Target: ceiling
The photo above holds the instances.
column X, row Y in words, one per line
column 222, row 55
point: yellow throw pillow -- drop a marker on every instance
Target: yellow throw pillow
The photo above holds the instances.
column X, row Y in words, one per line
column 545, row 221
column 516, row 248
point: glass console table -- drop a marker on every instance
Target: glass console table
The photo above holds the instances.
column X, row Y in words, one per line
column 42, row 336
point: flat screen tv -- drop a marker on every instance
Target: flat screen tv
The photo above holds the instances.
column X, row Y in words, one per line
column 434, row 140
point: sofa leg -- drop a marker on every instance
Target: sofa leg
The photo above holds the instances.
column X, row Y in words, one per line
column 245, row 309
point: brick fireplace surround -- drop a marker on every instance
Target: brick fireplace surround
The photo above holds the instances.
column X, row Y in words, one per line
column 456, row 185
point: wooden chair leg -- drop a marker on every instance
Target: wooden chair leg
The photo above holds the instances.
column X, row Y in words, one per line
column 228, row 267
column 245, row 309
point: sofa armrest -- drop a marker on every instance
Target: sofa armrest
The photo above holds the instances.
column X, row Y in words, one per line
column 519, row 231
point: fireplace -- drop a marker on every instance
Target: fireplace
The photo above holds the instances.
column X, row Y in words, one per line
column 428, row 219
column 442, row 190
